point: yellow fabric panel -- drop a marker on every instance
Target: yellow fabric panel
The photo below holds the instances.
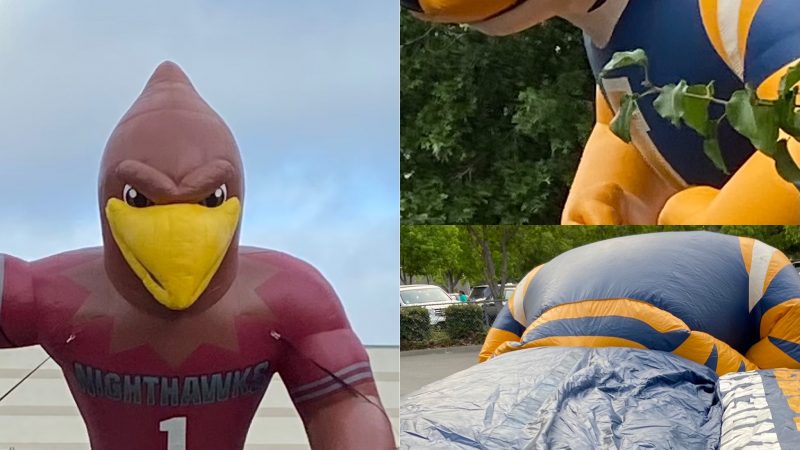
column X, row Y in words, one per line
column 776, row 313
column 788, row 327
column 687, row 205
column 660, row 320
column 698, row 348
column 464, row 11
column 571, row 341
column 739, row 202
column 614, row 183
column 767, row 356
column 769, row 88
column 709, row 13
column 521, row 290
column 778, row 262
column 747, row 14
column 746, row 245
column 494, row 339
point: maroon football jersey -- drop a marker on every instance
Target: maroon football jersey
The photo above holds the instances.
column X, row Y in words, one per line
column 188, row 379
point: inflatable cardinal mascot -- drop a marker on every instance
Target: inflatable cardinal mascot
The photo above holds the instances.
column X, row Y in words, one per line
column 663, row 176
column 169, row 334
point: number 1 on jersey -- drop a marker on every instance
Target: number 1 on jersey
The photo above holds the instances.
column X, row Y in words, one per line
column 176, row 432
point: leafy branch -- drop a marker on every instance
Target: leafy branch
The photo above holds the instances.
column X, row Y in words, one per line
column 759, row 120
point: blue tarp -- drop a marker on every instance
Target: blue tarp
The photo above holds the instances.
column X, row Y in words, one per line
column 568, row 398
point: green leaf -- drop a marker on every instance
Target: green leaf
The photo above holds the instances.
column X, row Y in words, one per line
column 756, row 122
column 787, row 167
column 790, row 79
column 788, row 118
column 621, row 60
column 669, row 103
column 695, row 110
column 712, row 149
column 684, row 102
column 621, row 125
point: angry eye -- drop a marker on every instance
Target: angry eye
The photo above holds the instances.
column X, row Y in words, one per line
column 135, row 198
column 217, row 198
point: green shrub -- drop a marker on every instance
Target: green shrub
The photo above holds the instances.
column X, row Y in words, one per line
column 415, row 324
column 464, row 322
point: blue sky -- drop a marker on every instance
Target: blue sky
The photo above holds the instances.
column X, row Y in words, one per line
column 310, row 90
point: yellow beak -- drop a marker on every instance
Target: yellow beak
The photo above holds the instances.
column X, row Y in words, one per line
column 174, row 249
column 463, row 11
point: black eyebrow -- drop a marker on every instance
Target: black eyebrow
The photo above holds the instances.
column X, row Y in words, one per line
column 597, row 4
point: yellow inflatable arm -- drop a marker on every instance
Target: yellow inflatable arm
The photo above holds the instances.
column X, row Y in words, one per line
column 614, row 184
column 755, row 195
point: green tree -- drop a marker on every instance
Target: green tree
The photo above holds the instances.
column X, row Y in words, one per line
column 491, row 128
column 436, row 252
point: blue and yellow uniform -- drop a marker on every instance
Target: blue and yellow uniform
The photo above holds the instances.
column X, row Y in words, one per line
column 663, row 176
column 731, row 43
column 708, row 297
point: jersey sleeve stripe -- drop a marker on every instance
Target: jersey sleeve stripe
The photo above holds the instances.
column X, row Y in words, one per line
column 341, row 373
column 335, row 385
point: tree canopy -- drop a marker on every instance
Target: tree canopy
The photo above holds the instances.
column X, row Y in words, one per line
column 491, row 128
column 447, row 254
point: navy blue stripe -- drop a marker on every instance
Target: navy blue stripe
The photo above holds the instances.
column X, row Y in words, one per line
column 790, row 348
column 611, row 326
column 505, row 321
column 774, row 40
column 711, row 362
column 698, row 277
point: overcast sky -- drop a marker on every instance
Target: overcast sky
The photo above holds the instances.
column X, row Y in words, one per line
column 309, row 88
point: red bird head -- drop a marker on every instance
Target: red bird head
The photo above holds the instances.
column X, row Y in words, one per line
column 171, row 191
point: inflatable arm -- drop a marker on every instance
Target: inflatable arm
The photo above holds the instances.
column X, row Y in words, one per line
column 322, row 338
column 614, row 184
column 18, row 315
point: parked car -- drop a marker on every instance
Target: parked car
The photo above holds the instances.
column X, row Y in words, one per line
column 432, row 298
column 482, row 294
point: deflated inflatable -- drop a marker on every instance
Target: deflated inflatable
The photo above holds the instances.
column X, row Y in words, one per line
column 170, row 333
column 620, row 343
column 730, row 303
column 568, row 398
column 760, row 409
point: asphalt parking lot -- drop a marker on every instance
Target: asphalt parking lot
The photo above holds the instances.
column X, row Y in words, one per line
column 421, row 367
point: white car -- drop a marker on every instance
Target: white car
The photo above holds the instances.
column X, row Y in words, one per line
column 432, row 298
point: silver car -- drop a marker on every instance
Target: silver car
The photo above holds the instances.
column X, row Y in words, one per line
column 432, row 298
